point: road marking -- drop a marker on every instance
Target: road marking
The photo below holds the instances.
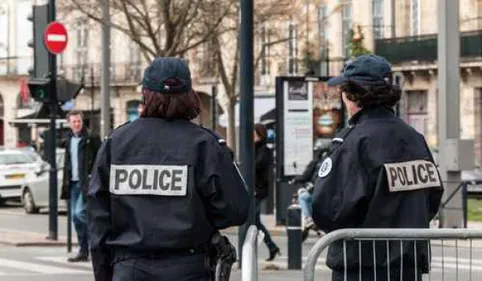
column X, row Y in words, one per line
column 39, row 268
column 454, row 260
column 63, row 260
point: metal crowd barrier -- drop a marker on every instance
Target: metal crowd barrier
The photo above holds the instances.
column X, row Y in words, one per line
column 403, row 236
column 249, row 270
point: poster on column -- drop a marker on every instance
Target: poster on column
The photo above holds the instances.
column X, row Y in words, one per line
column 327, row 114
column 298, row 126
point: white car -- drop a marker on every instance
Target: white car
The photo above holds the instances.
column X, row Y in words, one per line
column 35, row 194
column 17, row 168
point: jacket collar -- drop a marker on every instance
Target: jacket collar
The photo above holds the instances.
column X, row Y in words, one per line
column 83, row 133
column 371, row 112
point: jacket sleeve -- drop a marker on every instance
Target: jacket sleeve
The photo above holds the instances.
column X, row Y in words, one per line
column 223, row 188
column 98, row 214
column 307, row 174
column 263, row 159
column 340, row 190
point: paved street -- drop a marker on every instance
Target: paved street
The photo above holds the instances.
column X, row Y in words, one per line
column 46, row 263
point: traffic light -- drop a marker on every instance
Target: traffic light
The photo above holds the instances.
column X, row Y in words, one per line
column 40, row 89
column 39, row 19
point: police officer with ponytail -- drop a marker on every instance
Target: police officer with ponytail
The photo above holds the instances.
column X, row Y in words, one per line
column 162, row 187
column 379, row 174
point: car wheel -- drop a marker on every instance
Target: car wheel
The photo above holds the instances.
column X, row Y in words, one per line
column 29, row 203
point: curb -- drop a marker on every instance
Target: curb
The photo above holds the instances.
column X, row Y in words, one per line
column 31, row 239
column 272, row 231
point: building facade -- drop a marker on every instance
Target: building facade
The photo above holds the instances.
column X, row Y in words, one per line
column 404, row 32
column 312, row 35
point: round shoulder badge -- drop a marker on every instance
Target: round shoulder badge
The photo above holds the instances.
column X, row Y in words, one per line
column 325, row 168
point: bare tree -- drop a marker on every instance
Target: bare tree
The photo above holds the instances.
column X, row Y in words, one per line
column 273, row 14
column 160, row 27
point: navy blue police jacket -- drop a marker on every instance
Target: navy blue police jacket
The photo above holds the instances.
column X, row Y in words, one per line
column 379, row 174
column 160, row 186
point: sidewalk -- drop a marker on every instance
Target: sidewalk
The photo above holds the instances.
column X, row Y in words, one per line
column 26, row 238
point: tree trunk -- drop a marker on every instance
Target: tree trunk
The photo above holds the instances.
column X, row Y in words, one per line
column 231, row 134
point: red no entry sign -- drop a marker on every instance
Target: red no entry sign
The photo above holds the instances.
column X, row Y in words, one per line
column 55, row 38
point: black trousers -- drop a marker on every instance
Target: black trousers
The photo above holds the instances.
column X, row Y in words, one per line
column 179, row 268
column 408, row 274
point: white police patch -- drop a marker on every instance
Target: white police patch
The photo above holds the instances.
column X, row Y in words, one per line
column 162, row 180
column 325, row 168
column 412, row 175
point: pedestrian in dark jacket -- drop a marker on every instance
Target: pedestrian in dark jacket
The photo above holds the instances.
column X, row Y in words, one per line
column 263, row 164
column 80, row 152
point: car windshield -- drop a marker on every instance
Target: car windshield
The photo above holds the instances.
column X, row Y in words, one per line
column 14, row 158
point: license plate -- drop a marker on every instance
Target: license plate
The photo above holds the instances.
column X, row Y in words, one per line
column 15, row 176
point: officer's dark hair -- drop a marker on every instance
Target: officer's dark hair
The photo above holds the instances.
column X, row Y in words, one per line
column 261, row 131
column 171, row 106
column 74, row 113
column 371, row 95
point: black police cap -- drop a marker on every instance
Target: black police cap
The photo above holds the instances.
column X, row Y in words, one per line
column 159, row 75
column 365, row 70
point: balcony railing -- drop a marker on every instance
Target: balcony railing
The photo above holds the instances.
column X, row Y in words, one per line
column 120, row 73
column 18, row 65
column 424, row 48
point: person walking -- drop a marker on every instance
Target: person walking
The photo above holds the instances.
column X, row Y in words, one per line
column 80, row 152
column 263, row 164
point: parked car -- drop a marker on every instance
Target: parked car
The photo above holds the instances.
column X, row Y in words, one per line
column 35, row 194
column 17, row 168
column 474, row 177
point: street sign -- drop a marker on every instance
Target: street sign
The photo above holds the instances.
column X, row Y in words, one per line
column 55, row 38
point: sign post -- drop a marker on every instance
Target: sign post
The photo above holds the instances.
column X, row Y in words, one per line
column 55, row 40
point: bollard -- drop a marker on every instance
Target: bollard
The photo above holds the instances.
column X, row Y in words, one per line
column 293, row 228
column 465, row 197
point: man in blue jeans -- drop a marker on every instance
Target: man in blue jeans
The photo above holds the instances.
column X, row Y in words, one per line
column 80, row 152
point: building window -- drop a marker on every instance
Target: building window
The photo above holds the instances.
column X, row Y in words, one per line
column 264, row 69
column 346, row 16
column 417, row 113
column 3, row 38
column 322, row 18
column 415, row 17
column 23, row 51
column 208, row 60
column 1, row 107
column 134, row 61
column 378, row 19
column 81, row 50
column 292, row 48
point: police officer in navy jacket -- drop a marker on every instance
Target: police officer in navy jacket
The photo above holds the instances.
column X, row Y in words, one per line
column 379, row 174
column 161, row 186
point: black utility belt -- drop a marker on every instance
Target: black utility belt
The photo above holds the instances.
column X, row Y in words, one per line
column 160, row 254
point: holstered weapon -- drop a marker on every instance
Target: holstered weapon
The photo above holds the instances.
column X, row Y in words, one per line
column 223, row 257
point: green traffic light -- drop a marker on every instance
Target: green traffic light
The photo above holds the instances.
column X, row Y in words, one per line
column 42, row 93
